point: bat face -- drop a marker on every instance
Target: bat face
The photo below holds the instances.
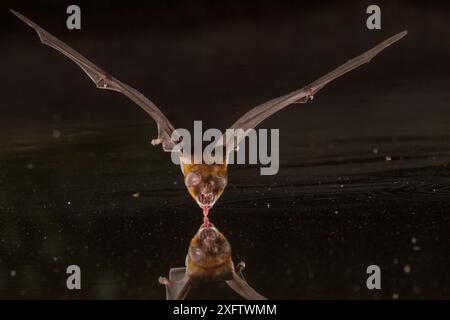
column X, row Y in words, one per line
column 209, row 256
column 205, row 183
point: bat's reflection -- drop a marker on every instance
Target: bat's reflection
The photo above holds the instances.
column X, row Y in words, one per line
column 208, row 259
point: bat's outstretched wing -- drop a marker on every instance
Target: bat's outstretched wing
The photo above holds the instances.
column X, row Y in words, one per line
column 241, row 287
column 104, row 81
column 256, row 115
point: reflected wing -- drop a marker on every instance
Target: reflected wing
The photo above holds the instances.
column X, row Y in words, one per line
column 241, row 287
column 256, row 115
column 104, row 81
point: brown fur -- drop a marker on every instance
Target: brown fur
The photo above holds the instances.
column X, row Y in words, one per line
column 216, row 262
column 210, row 174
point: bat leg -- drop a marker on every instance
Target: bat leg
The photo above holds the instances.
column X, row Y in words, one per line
column 156, row 142
column 308, row 96
column 178, row 284
column 241, row 287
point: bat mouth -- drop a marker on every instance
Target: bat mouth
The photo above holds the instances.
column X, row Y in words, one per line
column 206, row 199
column 209, row 234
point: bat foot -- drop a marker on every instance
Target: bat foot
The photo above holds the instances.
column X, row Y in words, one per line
column 164, row 281
column 310, row 94
column 155, row 142
column 240, row 266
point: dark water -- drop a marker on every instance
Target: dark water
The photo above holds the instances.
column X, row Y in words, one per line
column 336, row 206
column 364, row 176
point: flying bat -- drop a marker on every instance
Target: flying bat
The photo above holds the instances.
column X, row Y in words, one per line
column 205, row 182
column 208, row 259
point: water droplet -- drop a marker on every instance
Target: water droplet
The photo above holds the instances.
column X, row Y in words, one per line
column 407, row 269
column 56, row 133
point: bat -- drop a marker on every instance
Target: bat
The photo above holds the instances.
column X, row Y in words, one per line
column 205, row 182
column 208, row 259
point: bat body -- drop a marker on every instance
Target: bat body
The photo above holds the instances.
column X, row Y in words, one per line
column 205, row 182
column 208, row 259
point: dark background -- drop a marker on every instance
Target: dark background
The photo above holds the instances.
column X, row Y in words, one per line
column 363, row 178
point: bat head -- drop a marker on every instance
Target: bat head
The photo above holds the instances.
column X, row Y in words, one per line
column 205, row 183
column 209, row 256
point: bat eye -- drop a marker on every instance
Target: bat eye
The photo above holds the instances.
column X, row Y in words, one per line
column 196, row 254
column 192, row 179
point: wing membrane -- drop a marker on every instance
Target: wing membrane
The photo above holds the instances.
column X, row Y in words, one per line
column 104, row 81
column 261, row 112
